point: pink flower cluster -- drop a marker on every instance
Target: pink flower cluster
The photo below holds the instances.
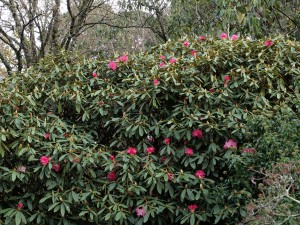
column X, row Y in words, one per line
column 234, row 37
column 192, row 208
column 230, row 144
column 44, row 160
column 131, row 151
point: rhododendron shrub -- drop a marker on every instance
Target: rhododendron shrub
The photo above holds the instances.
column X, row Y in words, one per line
column 140, row 143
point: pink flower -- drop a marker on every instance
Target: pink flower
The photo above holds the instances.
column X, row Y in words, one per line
column 21, row 169
column 170, row 176
column 112, row 176
column 223, row 36
column 131, row 151
column 193, row 52
column 230, row 144
column 234, row 37
column 212, row 90
column 268, row 43
column 123, row 58
column 44, row 160
column 47, row 136
column 200, row 174
column 20, row 206
column 150, row 150
column 172, row 60
column 202, row 38
column 186, row 43
column 156, row 82
column 167, row 141
column 112, row 65
column 56, row 167
column 226, row 80
column 162, row 64
column 162, row 57
column 94, row 74
column 112, row 157
column 248, row 150
column 192, row 208
column 140, row 211
column 197, row 133
column 189, row 151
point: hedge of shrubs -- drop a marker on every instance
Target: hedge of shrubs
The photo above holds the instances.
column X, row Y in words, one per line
column 160, row 137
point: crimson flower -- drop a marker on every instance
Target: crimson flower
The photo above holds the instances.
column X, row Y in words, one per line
column 66, row 135
column 131, row 151
column 226, row 80
column 189, row 151
column 162, row 57
column 112, row 176
column 150, row 150
column 197, row 133
column 47, row 136
column 192, row 208
column 200, row 174
column 56, row 167
column 193, row 52
column 44, row 160
column 95, row 75
column 112, row 157
column 202, row 38
column 170, row 176
column 167, row 141
column 20, row 206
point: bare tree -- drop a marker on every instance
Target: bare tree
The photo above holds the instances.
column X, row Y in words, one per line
column 33, row 28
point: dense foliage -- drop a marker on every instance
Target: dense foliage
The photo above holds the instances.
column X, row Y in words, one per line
column 152, row 138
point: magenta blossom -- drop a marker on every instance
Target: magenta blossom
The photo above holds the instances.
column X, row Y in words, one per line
column 268, row 43
column 44, row 160
column 150, row 150
column 162, row 57
column 170, row 176
column 186, row 43
column 200, row 174
column 56, row 167
column 112, row 65
column 20, row 206
column 47, row 136
column 230, row 144
column 167, row 141
column 156, row 82
column 131, row 151
column 197, row 133
column 226, row 80
column 193, row 52
column 189, row 151
column 112, row 157
column 172, row 60
column 234, row 37
column 223, row 36
column 140, row 211
column 162, row 64
column 94, row 74
column 112, row 176
column 123, row 58
column 202, row 38
column 192, row 208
